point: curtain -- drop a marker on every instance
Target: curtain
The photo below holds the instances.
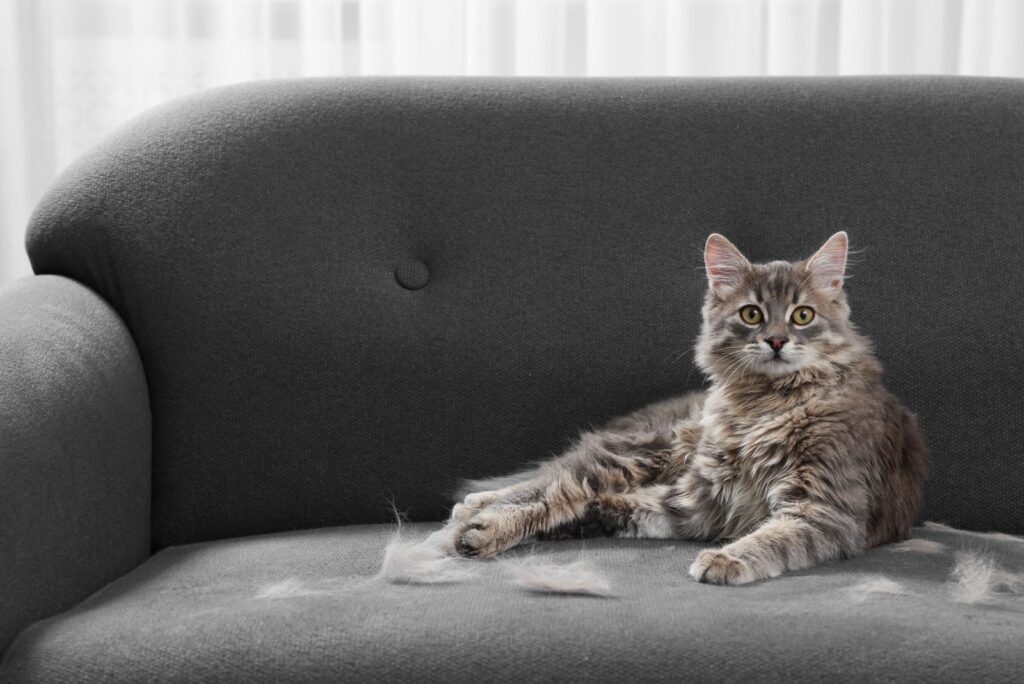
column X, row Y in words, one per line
column 72, row 70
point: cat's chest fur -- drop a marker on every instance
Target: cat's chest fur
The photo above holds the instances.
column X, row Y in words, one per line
column 744, row 452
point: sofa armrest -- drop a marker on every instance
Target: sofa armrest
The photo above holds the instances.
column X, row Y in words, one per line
column 75, row 445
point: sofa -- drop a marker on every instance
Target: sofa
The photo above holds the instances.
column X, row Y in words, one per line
column 265, row 317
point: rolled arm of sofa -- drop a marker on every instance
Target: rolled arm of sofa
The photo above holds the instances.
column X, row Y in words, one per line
column 75, row 446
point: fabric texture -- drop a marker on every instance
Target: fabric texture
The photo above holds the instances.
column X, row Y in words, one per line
column 74, row 450
column 259, row 242
column 305, row 607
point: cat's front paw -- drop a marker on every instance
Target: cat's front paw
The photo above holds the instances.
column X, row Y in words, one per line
column 716, row 566
column 488, row 533
column 475, row 542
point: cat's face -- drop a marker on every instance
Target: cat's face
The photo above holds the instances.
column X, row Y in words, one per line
column 773, row 319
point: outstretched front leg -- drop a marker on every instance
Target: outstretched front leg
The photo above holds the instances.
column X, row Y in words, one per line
column 537, row 506
column 798, row 535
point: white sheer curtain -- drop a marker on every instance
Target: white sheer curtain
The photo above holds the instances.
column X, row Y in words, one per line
column 71, row 70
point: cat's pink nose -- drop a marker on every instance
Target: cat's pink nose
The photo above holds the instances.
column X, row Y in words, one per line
column 776, row 342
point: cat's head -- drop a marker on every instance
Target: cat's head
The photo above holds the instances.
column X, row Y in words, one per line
column 774, row 319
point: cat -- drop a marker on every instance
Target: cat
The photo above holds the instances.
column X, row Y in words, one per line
column 796, row 455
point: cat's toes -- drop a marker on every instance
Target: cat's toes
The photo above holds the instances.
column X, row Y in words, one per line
column 480, row 499
column 485, row 535
column 716, row 566
column 471, row 505
column 477, row 542
column 462, row 513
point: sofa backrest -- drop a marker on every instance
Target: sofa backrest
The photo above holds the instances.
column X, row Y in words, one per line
column 351, row 293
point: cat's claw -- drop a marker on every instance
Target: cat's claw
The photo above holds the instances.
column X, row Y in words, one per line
column 716, row 566
column 477, row 542
column 487, row 534
column 465, row 548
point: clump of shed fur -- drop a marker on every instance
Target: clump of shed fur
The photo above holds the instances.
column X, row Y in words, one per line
column 544, row 577
column 999, row 536
column 977, row 578
column 289, row 588
column 430, row 561
column 918, row 545
column 876, row 586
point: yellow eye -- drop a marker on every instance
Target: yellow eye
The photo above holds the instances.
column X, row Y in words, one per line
column 751, row 315
column 802, row 315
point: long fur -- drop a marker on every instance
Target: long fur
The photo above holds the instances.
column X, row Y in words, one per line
column 977, row 578
column 917, row 545
column 288, row 588
column 998, row 536
column 544, row 577
column 876, row 586
column 490, row 484
column 796, row 454
column 429, row 561
column 432, row 561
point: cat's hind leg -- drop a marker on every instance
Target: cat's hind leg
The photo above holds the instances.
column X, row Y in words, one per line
column 640, row 514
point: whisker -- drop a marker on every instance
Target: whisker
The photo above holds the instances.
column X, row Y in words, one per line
column 738, row 366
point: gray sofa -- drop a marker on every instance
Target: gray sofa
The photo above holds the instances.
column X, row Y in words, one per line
column 263, row 314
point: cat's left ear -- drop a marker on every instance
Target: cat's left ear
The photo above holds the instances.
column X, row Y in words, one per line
column 828, row 265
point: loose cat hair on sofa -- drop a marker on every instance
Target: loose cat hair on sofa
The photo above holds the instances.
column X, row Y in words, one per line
column 796, row 455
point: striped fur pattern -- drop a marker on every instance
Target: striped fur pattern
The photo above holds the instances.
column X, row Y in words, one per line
column 796, row 454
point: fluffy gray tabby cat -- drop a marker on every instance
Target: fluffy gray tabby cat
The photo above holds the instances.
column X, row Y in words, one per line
column 796, row 455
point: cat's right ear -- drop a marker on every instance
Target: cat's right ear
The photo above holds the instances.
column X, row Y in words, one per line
column 723, row 262
column 828, row 265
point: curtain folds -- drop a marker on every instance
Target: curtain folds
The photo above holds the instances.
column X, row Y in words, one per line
column 71, row 70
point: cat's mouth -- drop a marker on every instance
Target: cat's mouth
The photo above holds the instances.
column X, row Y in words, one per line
column 776, row 364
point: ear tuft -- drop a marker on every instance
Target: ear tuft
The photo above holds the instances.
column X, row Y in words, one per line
column 723, row 262
column 828, row 265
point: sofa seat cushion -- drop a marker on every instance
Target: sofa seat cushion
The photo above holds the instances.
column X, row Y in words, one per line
column 307, row 606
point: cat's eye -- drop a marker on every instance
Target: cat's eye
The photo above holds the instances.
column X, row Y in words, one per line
column 802, row 315
column 751, row 315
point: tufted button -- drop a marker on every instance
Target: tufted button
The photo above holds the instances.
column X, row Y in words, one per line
column 412, row 274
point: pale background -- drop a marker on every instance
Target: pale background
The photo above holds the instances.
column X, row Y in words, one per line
column 72, row 70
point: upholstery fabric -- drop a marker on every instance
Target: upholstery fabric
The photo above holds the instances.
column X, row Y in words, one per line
column 351, row 292
column 74, row 450
column 194, row 614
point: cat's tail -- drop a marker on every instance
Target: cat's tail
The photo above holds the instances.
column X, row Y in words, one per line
column 491, row 484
